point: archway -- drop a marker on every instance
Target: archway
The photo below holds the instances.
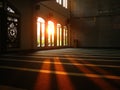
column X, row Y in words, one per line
column 40, row 32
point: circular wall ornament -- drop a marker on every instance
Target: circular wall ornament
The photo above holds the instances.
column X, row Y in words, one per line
column 12, row 32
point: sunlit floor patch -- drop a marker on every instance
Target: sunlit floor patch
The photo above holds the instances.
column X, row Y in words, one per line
column 48, row 62
column 67, row 85
column 45, row 78
column 62, row 73
column 99, row 81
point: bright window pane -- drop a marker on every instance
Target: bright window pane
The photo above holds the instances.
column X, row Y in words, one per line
column 43, row 35
column 64, row 36
column 66, row 3
column 57, row 1
column 58, row 40
column 50, row 33
column 40, row 32
column 60, row 1
column 58, row 34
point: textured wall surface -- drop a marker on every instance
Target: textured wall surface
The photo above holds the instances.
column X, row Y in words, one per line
column 96, row 23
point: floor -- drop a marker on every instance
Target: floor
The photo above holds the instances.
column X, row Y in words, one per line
column 61, row 69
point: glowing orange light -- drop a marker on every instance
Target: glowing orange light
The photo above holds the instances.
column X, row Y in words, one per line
column 64, row 82
column 99, row 81
column 43, row 79
column 38, row 34
column 50, row 27
column 50, row 33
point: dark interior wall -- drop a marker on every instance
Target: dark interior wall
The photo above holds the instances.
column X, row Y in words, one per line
column 0, row 33
column 84, row 30
column 96, row 23
column 25, row 8
column 109, row 31
column 83, row 8
column 108, row 22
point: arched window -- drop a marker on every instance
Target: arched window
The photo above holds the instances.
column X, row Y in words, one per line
column 50, row 33
column 65, row 36
column 59, row 1
column 59, row 35
column 40, row 32
column 64, row 3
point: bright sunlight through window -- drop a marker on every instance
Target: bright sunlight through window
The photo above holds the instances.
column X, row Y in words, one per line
column 64, row 3
column 40, row 32
column 50, row 33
